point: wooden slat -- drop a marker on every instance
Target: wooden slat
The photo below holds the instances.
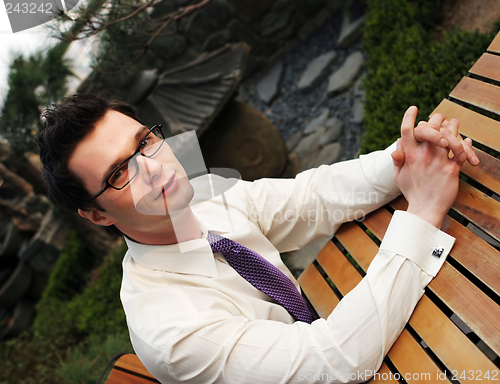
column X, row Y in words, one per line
column 360, row 246
column 445, row 339
column 487, row 66
column 412, row 361
column 384, row 375
column 487, row 172
column 477, row 310
column 338, row 268
column 318, row 291
column 472, row 252
column 132, row 363
column 472, row 124
column 478, row 93
column 495, row 44
column 478, row 208
column 120, row 377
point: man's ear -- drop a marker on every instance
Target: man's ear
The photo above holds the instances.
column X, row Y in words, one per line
column 97, row 217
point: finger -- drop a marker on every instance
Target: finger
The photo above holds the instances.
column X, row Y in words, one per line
column 436, row 121
column 423, row 132
column 408, row 140
column 454, row 144
column 453, row 126
column 469, row 152
column 398, row 158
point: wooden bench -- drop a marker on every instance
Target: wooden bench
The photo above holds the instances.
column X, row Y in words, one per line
column 454, row 333
column 129, row 370
column 456, row 325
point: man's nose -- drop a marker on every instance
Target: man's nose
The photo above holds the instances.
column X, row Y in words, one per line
column 149, row 169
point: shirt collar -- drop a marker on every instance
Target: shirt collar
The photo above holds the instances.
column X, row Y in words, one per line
column 193, row 257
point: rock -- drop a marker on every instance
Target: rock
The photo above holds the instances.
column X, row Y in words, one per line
column 242, row 94
column 293, row 140
column 21, row 318
column 43, row 249
column 141, row 89
column 309, row 7
column 207, row 20
column 37, row 203
column 321, row 17
column 344, row 76
column 216, row 40
column 169, row 47
column 162, row 9
column 306, row 30
column 292, row 166
column 359, row 91
column 243, row 32
column 250, row 10
column 351, row 32
column 16, row 285
column 309, row 144
column 358, row 111
column 316, row 70
column 328, row 155
column 280, row 4
column 318, row 122
column 268, row 86
column 273, row 22
column 244, row 139
column 12, row 240
column 334, row 128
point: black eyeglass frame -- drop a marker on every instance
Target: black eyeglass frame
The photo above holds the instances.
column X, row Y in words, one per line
column 138, row 150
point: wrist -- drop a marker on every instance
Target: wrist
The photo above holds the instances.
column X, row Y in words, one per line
column 431, row 216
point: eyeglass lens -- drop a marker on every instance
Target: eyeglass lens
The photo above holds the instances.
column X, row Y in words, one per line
column 148, row 147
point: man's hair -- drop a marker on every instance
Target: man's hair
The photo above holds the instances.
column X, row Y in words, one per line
column 63, row 127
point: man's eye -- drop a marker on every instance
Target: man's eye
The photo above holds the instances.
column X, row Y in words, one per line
column 144, row 143
column 119, row 175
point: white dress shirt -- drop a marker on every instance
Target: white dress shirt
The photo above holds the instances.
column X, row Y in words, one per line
column 192, row 318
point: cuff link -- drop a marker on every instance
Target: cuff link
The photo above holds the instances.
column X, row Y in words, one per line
column 438, row 251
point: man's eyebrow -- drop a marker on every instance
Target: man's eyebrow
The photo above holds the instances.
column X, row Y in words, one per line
column 141, row 132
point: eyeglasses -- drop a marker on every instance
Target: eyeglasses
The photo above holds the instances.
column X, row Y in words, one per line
column 124, row 173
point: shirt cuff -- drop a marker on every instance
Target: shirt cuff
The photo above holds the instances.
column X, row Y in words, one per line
column 417, row 240
column 378, row 168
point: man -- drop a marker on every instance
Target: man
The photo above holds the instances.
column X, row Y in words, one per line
column 192, row 317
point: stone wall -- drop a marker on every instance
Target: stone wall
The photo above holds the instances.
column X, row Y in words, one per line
column 269, row 27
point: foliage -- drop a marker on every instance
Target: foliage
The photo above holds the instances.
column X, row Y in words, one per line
column 33, row 81
column 409, row 64
column 79, row 324
column 85, row 363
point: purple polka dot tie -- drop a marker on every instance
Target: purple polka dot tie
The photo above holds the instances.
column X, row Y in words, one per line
column 262, row 275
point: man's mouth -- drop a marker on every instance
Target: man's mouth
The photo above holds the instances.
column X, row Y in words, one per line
column 169, row 188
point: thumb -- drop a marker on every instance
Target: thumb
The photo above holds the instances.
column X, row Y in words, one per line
column 398, row 158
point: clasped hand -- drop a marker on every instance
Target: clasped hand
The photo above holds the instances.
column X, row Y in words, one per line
column 423, row 169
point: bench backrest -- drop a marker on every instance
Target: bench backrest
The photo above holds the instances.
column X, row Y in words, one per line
column 456, row 325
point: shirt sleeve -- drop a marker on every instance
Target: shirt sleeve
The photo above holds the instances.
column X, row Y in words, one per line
column 291, row 213
column 348, row 346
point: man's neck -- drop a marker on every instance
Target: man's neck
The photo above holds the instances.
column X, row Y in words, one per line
column 179, row 227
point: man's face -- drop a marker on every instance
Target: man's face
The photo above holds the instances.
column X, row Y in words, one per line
column 160, row 188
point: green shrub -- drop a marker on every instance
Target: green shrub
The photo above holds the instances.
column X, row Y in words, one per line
column 408, row 64
column 97, row 310
column 79, row 323
column 85, row 363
